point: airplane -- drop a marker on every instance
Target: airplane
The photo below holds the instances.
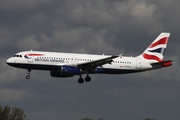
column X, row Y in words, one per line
column 70, row 64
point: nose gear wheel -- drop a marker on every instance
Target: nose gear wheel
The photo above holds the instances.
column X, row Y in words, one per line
column 28, row 76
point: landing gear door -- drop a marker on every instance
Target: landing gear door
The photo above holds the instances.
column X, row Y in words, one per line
column 138, row 63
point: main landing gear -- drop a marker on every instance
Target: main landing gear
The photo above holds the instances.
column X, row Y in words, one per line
column 81, row 80
column 28, row 76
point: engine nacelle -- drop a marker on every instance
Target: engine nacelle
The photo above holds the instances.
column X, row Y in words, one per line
column 70, row 70
column 66, row 71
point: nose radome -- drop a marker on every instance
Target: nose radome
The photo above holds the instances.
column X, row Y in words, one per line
column 9, row 60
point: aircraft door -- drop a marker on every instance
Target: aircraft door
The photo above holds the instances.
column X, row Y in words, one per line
column 138, row 63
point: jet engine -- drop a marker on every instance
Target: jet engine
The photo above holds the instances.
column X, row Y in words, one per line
column 66, row 71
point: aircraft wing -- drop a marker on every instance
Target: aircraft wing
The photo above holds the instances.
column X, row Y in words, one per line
column 96, row 63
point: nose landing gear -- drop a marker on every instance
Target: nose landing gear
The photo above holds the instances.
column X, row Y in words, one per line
column 28, row 76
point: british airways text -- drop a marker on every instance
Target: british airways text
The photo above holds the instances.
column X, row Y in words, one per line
column 49, row 60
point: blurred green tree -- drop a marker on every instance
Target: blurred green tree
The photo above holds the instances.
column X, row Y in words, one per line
column 8, row 113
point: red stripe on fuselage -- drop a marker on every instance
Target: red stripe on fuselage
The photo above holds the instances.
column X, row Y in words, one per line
column 161, row 41
column 151, row 57
column 34, row 54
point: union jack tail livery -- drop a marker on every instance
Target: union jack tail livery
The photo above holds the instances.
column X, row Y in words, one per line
column 155, row 52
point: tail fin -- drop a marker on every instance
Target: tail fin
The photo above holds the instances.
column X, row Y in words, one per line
column 155, row 52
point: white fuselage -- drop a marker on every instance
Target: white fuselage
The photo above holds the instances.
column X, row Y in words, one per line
column 39, row 60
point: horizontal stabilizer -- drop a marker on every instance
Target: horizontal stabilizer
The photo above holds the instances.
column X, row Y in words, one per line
column 161, row 64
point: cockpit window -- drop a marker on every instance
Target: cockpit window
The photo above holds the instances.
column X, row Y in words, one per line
column 17, row 56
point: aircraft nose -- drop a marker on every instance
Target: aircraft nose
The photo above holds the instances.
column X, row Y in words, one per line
column 9, row 60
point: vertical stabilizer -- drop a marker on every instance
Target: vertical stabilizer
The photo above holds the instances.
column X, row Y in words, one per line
column 155, row 52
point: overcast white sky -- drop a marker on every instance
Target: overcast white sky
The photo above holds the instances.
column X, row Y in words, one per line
column 90, row 26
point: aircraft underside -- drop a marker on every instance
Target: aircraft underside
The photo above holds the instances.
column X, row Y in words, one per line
column 57, row 71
